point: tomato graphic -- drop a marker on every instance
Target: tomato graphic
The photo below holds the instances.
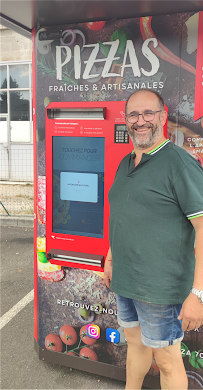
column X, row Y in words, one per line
column 95, row 25
column 85, row 338
column 53, row 342
column 71, row 353
column 88, row 354
column 68, row 335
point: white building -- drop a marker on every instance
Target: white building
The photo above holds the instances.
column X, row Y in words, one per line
column 16, row 135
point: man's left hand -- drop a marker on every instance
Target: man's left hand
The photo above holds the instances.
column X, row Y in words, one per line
column 191, row 313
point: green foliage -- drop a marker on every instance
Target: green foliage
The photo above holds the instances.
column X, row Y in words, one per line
column 195, row 360
column 45, row 68
column 184, row 349
column 123, row 34
column 42, row 257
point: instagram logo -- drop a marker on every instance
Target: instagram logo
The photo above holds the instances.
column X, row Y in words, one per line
column 93, row 331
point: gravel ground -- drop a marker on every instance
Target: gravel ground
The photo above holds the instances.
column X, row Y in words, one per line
column 16, row 198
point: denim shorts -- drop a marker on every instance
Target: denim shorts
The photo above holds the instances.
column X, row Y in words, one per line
column 159, row 324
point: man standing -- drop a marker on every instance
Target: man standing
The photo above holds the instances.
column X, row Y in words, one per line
column 156, row 211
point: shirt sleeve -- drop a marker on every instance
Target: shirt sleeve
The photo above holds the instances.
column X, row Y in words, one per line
column 188, row 190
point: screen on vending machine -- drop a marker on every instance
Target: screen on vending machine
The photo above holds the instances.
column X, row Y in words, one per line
column 78, row 186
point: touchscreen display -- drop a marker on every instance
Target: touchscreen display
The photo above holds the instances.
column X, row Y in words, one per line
column 78, row 186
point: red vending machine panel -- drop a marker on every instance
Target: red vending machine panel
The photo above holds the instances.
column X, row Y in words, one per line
column 85, row 143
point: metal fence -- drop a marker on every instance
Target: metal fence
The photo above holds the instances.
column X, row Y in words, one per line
column 16, row 181
column 16, row 198
column 16, row 164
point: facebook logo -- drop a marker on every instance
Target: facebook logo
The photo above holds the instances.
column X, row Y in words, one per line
column 112, row 335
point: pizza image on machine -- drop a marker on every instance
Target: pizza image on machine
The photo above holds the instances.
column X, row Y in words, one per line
column 60, row 207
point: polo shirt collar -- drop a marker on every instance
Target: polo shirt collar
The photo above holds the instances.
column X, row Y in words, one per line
column 145, row 156
column 159, row 147
column 154, row 151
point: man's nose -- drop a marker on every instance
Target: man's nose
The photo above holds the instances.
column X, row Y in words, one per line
column 140, row 121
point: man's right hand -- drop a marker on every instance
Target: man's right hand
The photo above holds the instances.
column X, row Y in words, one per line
column 108, row 272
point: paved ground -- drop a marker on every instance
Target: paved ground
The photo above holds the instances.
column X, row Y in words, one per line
column 17, row 220
column 20, row 366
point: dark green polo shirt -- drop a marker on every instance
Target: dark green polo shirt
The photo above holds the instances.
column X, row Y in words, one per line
column 151, row 236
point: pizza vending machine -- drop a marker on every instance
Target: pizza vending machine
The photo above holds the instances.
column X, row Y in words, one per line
column 82, row 75
column 84, row 143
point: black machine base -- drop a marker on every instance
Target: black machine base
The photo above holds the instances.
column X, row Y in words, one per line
column 86, row 365
column 97, row 368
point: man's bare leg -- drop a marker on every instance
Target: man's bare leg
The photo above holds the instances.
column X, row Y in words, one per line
column 139, row 359
column 172, row 370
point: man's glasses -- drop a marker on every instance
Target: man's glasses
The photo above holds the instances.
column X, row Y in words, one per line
column 148, row 116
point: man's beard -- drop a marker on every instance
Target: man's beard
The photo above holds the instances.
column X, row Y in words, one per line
column 148, row 140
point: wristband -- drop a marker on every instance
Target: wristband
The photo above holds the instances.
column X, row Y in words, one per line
column 108, row 260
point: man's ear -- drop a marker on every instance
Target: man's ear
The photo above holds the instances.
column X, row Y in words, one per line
column 163, row 118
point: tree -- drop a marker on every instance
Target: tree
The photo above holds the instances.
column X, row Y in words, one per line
column 3, row 98
column 19, row 107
